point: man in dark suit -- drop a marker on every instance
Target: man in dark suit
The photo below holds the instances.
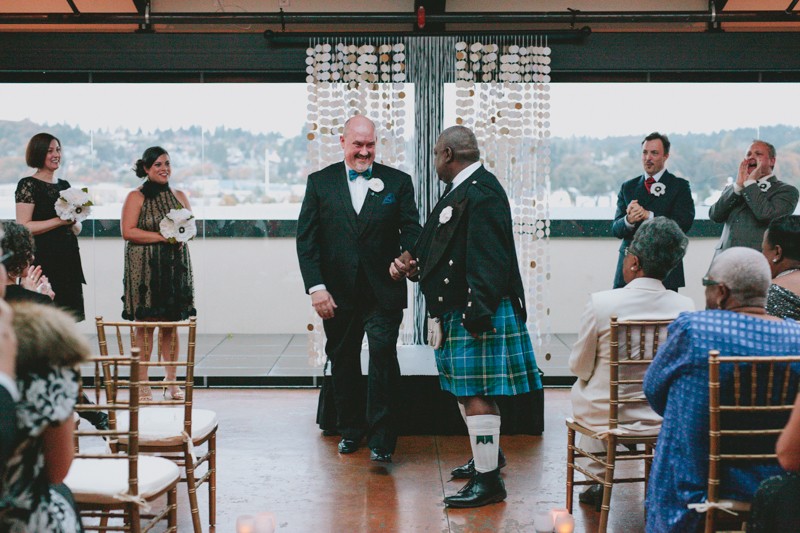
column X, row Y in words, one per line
column 753, row 201
column 656, row 193
column 356, row 217
column 9, row 394
column 466, row 264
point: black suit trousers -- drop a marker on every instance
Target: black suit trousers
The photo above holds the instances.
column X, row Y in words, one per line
column 371, row 413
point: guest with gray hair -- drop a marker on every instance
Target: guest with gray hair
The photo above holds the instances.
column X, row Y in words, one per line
column 676, row 385
column 658, row 245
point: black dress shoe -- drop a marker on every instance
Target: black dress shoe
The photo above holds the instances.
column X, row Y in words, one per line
column 98, row 419
column 592, row 496
column 466, row 471
column 347, row 446
column 483, row 489
column 380, row 455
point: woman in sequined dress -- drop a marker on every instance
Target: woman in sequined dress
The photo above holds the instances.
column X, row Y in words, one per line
column 781, row 247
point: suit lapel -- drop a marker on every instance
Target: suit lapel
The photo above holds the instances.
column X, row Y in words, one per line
column 370, row 201
column 339, row 179
column 649, row 201
column 444, row 232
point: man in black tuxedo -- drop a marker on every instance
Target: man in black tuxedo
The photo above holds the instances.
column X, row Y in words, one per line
column 466, row 264
column 655, row 193
column 356, row 217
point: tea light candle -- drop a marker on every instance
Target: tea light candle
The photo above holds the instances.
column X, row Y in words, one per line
column 564, row 523
column 265, row 523
column 543, row 522
column 245, row 524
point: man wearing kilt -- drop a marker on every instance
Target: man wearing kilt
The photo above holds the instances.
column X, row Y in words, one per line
column 466, row 264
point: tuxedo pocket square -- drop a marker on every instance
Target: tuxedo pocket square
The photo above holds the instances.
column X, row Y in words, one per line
column 389, row 199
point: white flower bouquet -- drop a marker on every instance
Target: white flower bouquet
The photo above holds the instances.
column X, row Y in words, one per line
column 74, row 204
column 178, row 226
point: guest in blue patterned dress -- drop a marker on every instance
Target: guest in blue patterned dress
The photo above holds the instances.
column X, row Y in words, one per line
column 676, row 385
column 781, row 247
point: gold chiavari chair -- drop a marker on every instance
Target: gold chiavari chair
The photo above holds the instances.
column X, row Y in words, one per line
column 747, row 409
column 122, row 486
column 172, row 428
column 628, row 363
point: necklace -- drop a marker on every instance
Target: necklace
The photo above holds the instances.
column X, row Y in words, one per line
column 787, row 272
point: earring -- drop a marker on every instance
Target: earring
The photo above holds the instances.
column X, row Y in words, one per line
column 633, row 268
column 774, row 259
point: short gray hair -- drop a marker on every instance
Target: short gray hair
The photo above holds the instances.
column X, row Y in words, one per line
column 745, row 272
column 660, row 244
column 463, row 143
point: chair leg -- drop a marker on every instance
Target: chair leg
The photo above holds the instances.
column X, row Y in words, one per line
column 570, row 467
column 648, row 463
column 135, row 519
column 191, row 485
column 172, row 514
column 611, row 459
column 212, row 480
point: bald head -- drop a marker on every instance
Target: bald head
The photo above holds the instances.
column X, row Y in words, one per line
column 462, row 142
column 358, row 122
column 745, row 272
column 358, row 141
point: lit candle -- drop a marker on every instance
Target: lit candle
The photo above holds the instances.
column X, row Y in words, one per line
column 245, row 524
column 265, row 523
column 565, row 523
column 543, row 522
column 555, row 513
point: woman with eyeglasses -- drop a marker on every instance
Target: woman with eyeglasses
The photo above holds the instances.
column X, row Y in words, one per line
column 781, row 247
column 735, row 322
column 57, row 249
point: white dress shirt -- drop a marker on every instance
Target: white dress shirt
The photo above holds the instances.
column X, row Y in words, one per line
column 10, row 385
column 462, row 176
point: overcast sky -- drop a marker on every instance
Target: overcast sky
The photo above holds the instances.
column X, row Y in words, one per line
column 590, row 109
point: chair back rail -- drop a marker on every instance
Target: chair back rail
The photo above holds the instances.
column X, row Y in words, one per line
column 759, row 395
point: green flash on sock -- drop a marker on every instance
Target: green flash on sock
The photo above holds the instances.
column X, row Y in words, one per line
column 484, row 439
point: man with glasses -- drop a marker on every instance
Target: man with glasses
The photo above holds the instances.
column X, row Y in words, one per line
column 755, row 199
column 655, row 193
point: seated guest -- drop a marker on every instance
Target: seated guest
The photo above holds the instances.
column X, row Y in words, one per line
column 33, row 285
column 781, row 247
column 676, row 385
column 9, row 394
column 775, row 504
column 50, row 348
column 656, row 248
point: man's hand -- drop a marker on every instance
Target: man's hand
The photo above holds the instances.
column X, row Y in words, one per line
column 323, row 304
column 403, row 266
column 636, row 213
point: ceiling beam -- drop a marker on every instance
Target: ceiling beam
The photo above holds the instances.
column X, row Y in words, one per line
column 376, row 18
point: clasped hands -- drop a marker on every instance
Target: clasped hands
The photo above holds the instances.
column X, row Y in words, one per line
column 36, row 281
column 403, row 266
column 636, row 213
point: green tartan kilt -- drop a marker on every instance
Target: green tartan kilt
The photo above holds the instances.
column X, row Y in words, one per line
column 495, row 364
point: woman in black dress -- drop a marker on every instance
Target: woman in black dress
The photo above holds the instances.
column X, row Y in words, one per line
column 56, row 242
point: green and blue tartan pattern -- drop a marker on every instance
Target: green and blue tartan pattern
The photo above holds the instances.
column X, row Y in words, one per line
column 495, row 364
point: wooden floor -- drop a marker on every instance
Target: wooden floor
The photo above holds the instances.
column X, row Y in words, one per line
column 272, row 457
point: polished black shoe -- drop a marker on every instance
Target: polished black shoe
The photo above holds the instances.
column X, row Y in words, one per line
column 98, row 419
column 348, row 446
column 483, row 489
column 380, row 455
column 466, row 471
column 592, row 496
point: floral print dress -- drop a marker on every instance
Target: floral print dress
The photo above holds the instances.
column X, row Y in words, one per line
column 27, row 502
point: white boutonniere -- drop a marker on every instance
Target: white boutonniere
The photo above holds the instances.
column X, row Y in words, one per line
column 375, row 184
column 74, row 204
column 658, row 189
column 178, row 226
column 764, row 185
column 446, row 215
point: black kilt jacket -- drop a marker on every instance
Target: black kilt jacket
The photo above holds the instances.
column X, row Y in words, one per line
column 468, row 261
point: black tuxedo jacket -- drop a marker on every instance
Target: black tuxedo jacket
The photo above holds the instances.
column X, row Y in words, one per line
column 332, row 241
column 8, row 428
column 469, row 261
column 676, row 203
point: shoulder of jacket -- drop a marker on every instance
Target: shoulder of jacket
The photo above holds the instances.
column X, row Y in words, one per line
column 390, row 172
column 330, row 169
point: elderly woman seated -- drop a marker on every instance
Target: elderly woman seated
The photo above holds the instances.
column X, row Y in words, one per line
column 676, row 385
column 659, row 245
column 33, row 284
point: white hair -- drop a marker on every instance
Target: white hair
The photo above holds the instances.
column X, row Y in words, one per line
column 745, row 272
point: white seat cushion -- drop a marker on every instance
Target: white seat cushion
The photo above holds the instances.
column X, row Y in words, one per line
column 102, row 480
column 163, row 426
